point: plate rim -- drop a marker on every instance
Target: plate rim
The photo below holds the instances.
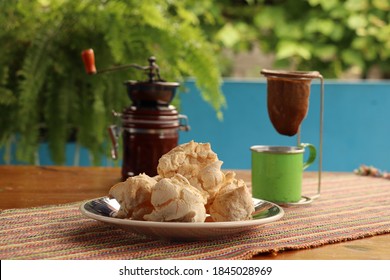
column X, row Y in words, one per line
column 182, row 225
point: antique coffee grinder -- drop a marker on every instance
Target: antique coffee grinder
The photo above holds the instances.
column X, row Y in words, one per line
column 150, row 125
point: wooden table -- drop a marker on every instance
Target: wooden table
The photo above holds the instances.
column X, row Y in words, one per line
column 29, row 186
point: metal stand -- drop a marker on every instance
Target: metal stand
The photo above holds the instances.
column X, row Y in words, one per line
column 305, row 199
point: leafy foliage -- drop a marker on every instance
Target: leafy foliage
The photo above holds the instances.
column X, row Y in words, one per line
column 44, row 89
column 326, row 35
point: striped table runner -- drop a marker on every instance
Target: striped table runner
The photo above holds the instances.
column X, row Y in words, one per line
column 350, row 207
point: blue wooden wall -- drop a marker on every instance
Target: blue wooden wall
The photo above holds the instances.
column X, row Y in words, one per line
column 356, row 125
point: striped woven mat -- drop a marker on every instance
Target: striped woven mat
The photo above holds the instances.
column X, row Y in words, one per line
column 350, row 207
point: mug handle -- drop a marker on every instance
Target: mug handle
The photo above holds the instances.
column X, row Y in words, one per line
column 312, row 154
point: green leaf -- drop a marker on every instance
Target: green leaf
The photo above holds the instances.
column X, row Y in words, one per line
column 356, row 21
column 325, row 52
column 356, row 5
column 289, row 31
column 353, row 58
column 187, row 15
column 323, row 26
column 228, row 35
column 384, row 34
column 314, row 2
column 269, row 17
column 364, row 45
column 383, row 5
column 7, row 97
column 153, row 14
column 328, row 5
column 287, row 49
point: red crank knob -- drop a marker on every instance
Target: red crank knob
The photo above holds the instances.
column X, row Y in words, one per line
column 89, row 61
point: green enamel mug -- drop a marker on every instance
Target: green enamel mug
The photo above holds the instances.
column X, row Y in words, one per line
column 277, row 171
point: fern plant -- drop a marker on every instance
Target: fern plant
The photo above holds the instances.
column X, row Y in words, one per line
column 43, row 86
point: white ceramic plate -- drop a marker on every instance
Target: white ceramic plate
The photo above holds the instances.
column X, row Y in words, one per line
column 103, row 209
